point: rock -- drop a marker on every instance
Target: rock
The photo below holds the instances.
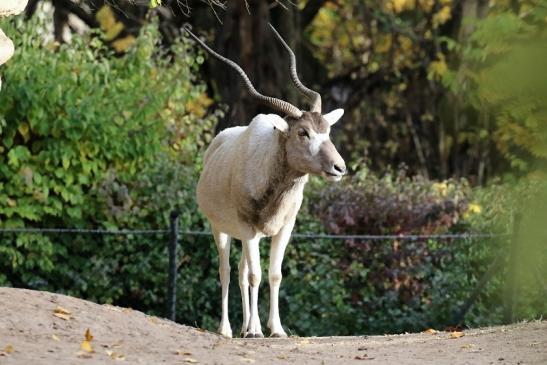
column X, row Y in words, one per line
column 6, row 48
column 12, row 7
column 7, row 8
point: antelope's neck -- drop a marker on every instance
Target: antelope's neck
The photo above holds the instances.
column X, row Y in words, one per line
column 280, row 199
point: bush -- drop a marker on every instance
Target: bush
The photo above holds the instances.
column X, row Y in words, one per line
column 91, row 140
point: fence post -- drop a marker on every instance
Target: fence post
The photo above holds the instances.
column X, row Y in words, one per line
column 511, row 278
column 172, row 277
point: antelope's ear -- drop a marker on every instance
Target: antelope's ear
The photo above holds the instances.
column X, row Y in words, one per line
column 279, row 124
column 334, row 116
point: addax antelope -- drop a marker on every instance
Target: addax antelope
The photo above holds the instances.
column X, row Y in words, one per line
column 252, row 187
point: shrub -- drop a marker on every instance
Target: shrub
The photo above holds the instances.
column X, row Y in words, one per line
column 88, row 140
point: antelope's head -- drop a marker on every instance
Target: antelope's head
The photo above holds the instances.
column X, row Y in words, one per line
column 306, row 133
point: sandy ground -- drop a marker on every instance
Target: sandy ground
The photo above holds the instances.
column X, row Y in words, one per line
column 45, row 328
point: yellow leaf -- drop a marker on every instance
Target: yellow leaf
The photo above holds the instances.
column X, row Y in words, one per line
column 55, row 338
column 66, row 317
column 190, row 360
column 114, row 31
column 431, row 331
column 456, row 334
column 8, row 349
column 61, row 310
column 86, row 346
column 88, row 335
column 24, row 131
column 442, row 16
column 123, row 44
column 437, row 68
column 106, row 18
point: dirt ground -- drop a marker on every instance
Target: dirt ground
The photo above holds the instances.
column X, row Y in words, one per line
column 45, row 328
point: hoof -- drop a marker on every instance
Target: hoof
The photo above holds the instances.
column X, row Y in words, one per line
column 278, row 335
column 226, row 332
column 254, row 335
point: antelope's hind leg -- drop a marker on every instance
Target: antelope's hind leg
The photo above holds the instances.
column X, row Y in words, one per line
column 222, row 241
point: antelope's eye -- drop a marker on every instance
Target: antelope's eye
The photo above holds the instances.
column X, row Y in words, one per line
column 303, row 133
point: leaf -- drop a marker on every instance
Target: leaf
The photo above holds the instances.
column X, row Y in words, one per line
column 190, row 360
column 66, row 317
column 24, row 131
column 431, row 331
column 8, row 349
column 115, row 355
column 86, row 346
column 88, row 335
column 55, row 338
column 61, row 310
column 456, row 334
column 183, row 352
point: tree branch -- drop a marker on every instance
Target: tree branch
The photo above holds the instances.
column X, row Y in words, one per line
column 310, row 11
column 73, row 8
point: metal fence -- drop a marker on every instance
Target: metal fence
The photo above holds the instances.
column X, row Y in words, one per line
column 173, row 235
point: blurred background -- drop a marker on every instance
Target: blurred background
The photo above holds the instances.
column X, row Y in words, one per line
column 106, row 110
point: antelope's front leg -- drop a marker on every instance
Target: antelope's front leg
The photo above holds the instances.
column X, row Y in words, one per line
column 252, row 254
column 223, row 245
column 277, row 250
column 244, row 288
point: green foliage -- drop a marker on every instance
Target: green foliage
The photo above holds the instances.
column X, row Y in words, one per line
column 502, row 77
column 88, row 139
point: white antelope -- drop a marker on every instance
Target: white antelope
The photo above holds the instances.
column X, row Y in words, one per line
column 252, row 187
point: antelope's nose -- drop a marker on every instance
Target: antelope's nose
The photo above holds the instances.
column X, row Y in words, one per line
column 341, row 168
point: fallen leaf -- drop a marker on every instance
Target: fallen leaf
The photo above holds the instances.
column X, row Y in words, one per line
column 468, row 346
column 115, row 355
column 88, row 335
column 431, row 331
column 190, row 360
column 61, row 310
column 8, row 349
column 364, row 357
column 66, row 317
column 86, row 346
column 247, row 360
column 183, row 352
column 55, row 338
column 456, row 335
